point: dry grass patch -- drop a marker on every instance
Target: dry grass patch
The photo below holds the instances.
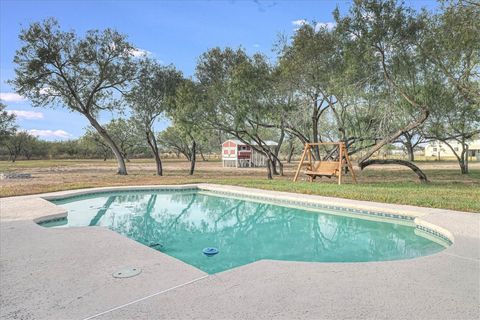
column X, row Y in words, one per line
column 448, row 189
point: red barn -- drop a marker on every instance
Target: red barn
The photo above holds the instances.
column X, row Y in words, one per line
column 237, row 154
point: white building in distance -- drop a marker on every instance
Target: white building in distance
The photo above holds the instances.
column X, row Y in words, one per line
column 440, row 150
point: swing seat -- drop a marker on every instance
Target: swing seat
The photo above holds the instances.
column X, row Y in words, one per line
column 328, row 169
column 323, row 168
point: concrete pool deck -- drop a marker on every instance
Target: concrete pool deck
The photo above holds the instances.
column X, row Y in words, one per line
column 67, row 273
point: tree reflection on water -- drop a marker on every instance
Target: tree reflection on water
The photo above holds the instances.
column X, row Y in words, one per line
column 181, row 224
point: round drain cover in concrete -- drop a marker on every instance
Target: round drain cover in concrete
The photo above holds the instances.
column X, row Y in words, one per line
column 127, row 272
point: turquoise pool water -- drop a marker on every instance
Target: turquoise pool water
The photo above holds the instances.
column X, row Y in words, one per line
column 183, row 223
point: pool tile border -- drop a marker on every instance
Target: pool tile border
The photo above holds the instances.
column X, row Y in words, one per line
column 76, row 196
column 319, row 206
column 428, row 228
column 52, row 220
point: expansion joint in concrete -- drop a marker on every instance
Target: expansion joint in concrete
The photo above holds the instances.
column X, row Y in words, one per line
column 145, row 298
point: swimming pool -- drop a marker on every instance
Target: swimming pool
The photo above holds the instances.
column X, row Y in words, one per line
column 182, row 223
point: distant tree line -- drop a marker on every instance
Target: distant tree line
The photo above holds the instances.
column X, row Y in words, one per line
column 18, row 144
column 383, row 73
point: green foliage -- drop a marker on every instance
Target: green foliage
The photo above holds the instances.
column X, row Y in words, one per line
column 35, row 148
column 240, row 98
column 174, row 139
column 153, row 92
column 151, row 96
column 94, row 144
column 7, row 122
column 54, row 67
column 69, row 149
column 452, row 47
column 126, row 136
column 86, row 75
column 232, row 83
column 19, row 143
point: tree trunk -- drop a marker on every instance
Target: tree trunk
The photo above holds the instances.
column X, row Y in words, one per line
column 193, row 157
column 269, row 169
column 463, row 161
column 463, row 167
column 158, row 164
column 466, row 158
column 274, row 168
column 122, row 168
column 280, row 168
column 276, row 160
column 411, row 155
column 202, row 155
column 290, row 154
column 421, row 176
column 280, row 142
column 277, row 151
column 152, row 143
column 462, row 158
column 409, row 147
column 315, row 128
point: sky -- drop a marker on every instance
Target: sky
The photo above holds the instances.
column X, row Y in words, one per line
column 173, row 32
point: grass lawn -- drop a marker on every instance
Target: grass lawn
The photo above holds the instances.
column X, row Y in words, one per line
column 390, row 184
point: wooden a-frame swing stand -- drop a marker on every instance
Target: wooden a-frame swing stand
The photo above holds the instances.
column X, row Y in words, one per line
column 318, row 168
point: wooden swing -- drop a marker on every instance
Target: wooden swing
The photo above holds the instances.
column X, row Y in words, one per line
column 327, row 168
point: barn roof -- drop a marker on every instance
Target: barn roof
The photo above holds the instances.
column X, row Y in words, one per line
column 240, row 143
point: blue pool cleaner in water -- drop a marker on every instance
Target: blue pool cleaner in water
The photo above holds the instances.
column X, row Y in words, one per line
column 210, row 251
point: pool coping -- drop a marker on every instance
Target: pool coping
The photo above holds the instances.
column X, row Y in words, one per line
column 459, row 227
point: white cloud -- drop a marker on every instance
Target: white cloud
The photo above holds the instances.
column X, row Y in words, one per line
column 256, row 45
column 11, row 97
column 299, row 22
column 317, row 26
column 327, row 25
column 137, row 52
column 28, row 115
column 50, row 133
column 47, row 90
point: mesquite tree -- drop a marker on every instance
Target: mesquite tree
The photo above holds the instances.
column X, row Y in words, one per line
column 7, row 123
column 451, row 47
column 187, row 115
column 384, row 37
column 151, row 96
column 189, row 134
column 17, row 142
column 86, row 75
column 307, row 65
column 329, row 86
column 93, row 141
column 237, row 100
column 178, row 140
column 126, row 136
